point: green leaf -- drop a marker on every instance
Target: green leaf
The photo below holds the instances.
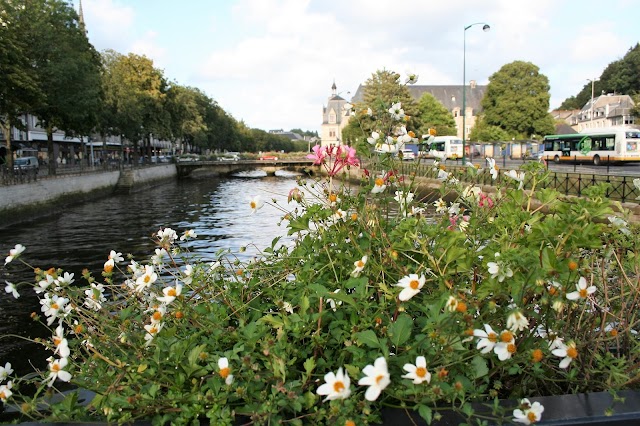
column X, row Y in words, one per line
column 400, row 330
column 426, row 413
column 309, row 365
column 368, row 338
column 194, row 354
column 479, row 365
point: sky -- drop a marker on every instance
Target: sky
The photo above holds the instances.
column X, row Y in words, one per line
column 271, row 63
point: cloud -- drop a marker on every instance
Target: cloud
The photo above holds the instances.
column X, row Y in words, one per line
column 109, row 24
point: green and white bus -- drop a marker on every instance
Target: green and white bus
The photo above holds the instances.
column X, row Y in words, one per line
column 594, row 146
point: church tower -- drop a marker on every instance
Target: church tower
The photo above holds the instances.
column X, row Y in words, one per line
column 334, row 118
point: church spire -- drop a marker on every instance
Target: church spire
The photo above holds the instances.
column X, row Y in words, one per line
column 81, row 18
column 333, row 88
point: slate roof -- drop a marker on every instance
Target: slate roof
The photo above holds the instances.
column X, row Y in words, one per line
column 448, row 95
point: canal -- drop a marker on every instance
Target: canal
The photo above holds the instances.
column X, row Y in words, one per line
column 217, row 209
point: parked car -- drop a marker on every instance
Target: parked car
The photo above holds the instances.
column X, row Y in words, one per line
column 25, row 164
column 268, row 157
column 406, row 155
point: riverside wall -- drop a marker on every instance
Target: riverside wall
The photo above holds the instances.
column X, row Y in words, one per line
column 29, row 201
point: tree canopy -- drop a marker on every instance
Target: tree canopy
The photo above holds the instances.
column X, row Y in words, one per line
column 621, row 76
column 517, row 101
column 432, row 114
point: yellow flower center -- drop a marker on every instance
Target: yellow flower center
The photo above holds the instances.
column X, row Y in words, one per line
column 55, row 367
column 379, row 378
column 333, row 198
column 172, row 292
column 349, row 423
column 354, row 216
column 583, row 293
column 414, row 284
column 492, row 337
column 531, row 416
column 379, row 182
column 421, row 372
column 360, row 264
column 338, row 386
column 224, row 373
column 78, row 329
column 536, row 355
column 253, row 204
column 572, row 352
column 147, row 278
column 506, row 336
column 57, row 340
column 157, row 316
column 3, row 396
column 54, row 306
column 108, row 268
column 511, row 348
column 153, row 330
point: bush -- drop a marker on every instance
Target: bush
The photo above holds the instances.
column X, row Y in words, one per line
column 383, row 299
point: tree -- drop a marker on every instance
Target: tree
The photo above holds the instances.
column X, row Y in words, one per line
column 68, row 70
column 484, row 132
column 18, row 79
column 381, row 90
column 186, row 107
column 517, row 101
column 134, row 96
column 432, row 114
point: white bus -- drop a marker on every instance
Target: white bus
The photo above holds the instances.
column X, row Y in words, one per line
column 445, row 147
column 594, row 146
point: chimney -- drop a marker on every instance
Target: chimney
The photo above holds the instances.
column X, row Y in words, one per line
column 472, row 84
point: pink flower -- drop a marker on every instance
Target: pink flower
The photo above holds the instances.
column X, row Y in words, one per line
column 485, row 201
column 319, row 155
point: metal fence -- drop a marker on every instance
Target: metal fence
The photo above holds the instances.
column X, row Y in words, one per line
column 621, row 188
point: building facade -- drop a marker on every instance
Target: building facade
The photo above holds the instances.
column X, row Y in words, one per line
column 334, row 118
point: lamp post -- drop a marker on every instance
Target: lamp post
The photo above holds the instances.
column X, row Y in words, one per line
column 592, row 80
column 485, row 27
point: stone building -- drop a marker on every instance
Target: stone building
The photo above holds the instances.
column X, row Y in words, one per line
column 334, row 118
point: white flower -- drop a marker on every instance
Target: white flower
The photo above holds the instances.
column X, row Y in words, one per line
column 116, row 256
column 373, row 139
column 225, row 371
column 44, row 284
column 54, row 306
column 442, row 175
column 378, row 186
column 170, row 293
column 488, row 339
column 396, row 111
column 12, row 289
column 159, row 256
column 336, row 386
column 5, row 391
column 145, row 280
column 620, row 224
column 518, row 176
column 152, row 330
column 188, row 234
column 288, row 307
column 499, row 271
column 65, row 279
column 61, row 343
column 166, row 236
column 454, row 209
column 95, row 297
column 5, row 371
column 333, row 303
column 411, row 285
column 359, row 265
column 403, row 198
column 56, row 370
column 440, row 205
column 411, row 78
column 256, row 203
column 418, row 372
column 188, row 274
column 369, row 112
column 582, row 291
column 376, row 377
column 517, row 322
column 567, row 352
column 506, row 347
column 528, row 413
column 493, row 169
column 14, row 253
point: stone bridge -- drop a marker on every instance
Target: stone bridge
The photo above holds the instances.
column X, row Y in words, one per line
column 224, row 167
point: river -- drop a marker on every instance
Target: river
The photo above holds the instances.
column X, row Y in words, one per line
column 217, row 209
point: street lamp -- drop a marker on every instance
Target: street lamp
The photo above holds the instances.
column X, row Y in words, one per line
column 485, row 27
column 592, row 80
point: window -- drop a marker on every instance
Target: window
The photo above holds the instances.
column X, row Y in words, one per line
column 332, row 117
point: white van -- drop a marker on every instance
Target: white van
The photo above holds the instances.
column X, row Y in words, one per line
column 25, row 164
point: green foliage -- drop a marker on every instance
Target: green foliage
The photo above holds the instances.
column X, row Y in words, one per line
column 517, row 100
column 478, row 296
column 484, row 132
column 432, row 114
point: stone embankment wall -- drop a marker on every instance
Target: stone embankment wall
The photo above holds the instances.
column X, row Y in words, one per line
column 29, row 201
